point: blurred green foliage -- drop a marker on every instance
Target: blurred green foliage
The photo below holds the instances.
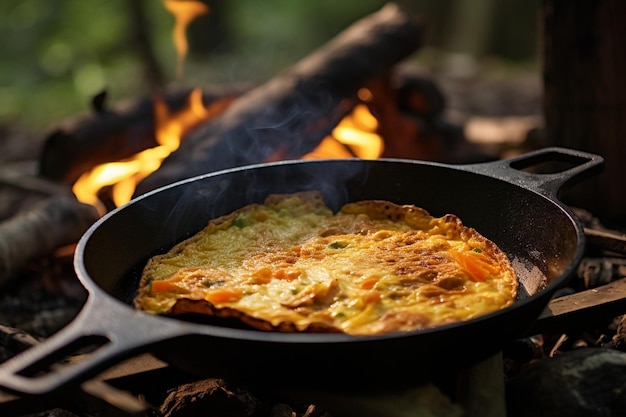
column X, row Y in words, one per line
column 56, row 55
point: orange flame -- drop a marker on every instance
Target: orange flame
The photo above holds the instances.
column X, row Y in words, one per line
column 123, row 176
column 354, row 136
column 184, row 11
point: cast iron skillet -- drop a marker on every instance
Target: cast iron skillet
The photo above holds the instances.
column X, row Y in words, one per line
column 515, row 208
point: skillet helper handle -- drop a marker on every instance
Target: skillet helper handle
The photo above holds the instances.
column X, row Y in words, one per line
column 104, row 332
column 548, row 171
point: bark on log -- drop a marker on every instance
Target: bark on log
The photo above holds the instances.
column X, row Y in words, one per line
column 16, row 340
column 585, row 94
column 290, row 114
column 58, row 221
column 20, row 191
column 112, row 134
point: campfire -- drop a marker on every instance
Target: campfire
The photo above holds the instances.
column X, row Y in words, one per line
column 338, row 102
column 354, row 136
column 348, row 99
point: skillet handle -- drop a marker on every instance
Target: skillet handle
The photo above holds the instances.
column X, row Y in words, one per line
column 104, row 333
column 548, row 171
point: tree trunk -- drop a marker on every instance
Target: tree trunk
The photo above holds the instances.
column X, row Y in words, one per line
column 585, row 94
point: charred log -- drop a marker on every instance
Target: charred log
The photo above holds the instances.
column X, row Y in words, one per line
column 410, row 112
column 16, row 340
column 289, row 115
column 52, row 223
column 110, row 134
column 19, row 190
column 590, row 382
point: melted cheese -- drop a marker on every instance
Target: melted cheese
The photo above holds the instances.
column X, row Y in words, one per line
column 293, row 265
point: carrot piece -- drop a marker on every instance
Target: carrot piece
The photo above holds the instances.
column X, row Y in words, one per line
column 477, row 269
column 223, row 295
column 371, row 297
column 368, row 283
column 262, row 275
column 288, row 276
column 166, row 285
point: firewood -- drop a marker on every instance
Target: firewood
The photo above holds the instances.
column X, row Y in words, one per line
column 20, row 190
column 54, row 222
column 112, row 133
column 609, row 240
column 582, row 308
column 16, row 340
column 13, row 178
column 290, row 114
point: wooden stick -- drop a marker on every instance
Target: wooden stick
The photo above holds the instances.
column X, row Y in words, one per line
column 57, row 221
column 581, row 308
column 16, row 340
column 290, row 114
column 20, row 190
column 606, row 239
column 28, row 183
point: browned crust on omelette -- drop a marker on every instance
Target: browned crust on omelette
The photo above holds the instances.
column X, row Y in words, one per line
column 291, row 264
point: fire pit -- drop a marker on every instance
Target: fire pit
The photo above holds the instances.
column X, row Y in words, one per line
column 373, row 100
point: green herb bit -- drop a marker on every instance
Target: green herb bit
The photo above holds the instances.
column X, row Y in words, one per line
column 477, row 250
column 338, row 245
column 242, row 221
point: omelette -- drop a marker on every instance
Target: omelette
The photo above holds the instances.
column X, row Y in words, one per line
column 291, row 264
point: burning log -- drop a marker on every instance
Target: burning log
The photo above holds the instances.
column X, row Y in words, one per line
column 16, row 340
column 54, row 222
column 289, row 115
column 410, row 112
column 113, row 134
column 19, row 190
